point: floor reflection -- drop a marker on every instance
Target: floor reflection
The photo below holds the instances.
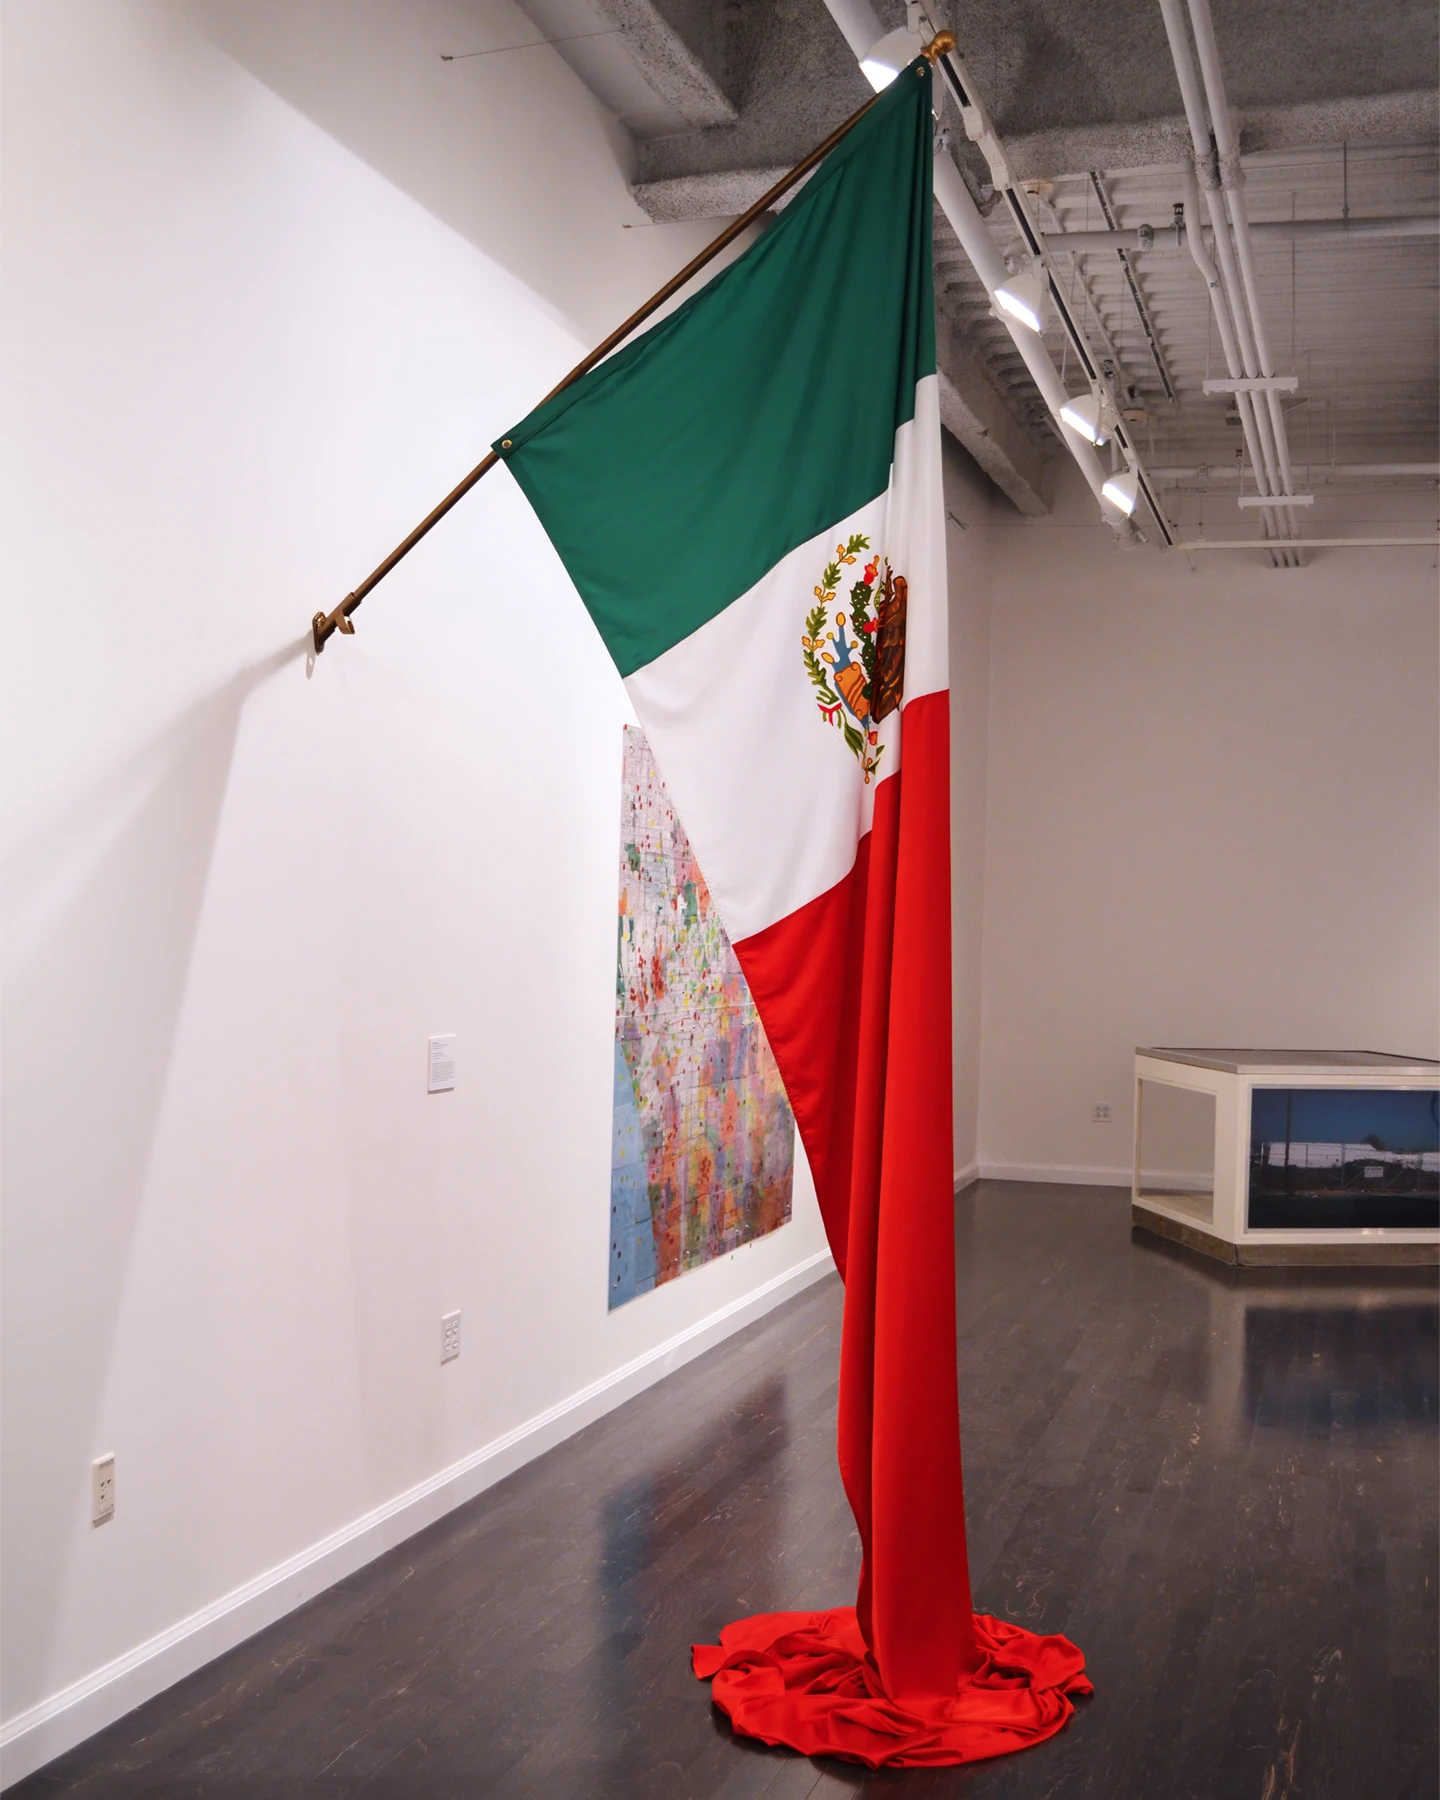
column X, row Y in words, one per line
column 1312, row 1368
column 1302, row 1351
column 684, row 1544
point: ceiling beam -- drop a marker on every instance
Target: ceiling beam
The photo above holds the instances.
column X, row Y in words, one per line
column 974, row 414
column 721, row 194
column 669, row 64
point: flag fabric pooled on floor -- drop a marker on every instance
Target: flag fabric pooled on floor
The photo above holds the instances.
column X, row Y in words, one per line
column 748, row 499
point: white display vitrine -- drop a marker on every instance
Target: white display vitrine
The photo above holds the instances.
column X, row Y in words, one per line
column 1289, row 1156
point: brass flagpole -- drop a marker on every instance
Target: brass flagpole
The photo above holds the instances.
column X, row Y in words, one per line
column 324, row 624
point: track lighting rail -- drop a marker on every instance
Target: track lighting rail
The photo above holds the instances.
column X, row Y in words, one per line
column 982, row 132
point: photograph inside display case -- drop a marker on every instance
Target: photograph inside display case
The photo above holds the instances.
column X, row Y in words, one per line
column 1344, row 1157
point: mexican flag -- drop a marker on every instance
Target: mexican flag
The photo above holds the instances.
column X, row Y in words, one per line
column 748, row 499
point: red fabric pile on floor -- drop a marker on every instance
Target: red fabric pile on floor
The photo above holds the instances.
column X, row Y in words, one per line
column 804, row 1679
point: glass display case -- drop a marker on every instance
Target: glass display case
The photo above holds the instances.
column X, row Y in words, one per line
column 1278, row 1156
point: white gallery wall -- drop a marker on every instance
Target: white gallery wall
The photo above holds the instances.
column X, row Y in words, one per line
column 242, row 889
column 970, row 503
column 1212, row 813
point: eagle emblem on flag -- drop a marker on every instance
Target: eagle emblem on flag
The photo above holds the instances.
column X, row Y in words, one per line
column 859, row 678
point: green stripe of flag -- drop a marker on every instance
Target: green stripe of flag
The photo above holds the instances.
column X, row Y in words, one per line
column 671, row 477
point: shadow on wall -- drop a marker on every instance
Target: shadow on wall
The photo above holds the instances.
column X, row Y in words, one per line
column 92, row 1000
column 373, row 79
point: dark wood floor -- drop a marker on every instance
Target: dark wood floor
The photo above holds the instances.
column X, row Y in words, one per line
column 1220, row 1483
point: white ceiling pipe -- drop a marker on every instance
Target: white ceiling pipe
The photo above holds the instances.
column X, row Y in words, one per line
column 1265, row 465
column 1354, row 543
column 1195, row 117
column 861, row 29
column 1331, row 472
column 1229, row 301
column 1163, row 240
column 1228, row 345
column 1393, row 225
column 1232, row 178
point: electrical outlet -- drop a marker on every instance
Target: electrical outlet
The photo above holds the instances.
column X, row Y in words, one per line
column 1100, row 1112
column 102, row 1490
column 449, row 1336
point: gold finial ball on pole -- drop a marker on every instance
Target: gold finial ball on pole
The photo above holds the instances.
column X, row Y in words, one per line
column 940, row 45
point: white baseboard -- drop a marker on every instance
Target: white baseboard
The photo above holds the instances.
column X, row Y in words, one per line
column 964, row 1177
column 57, row 1724
column 1074, row 1174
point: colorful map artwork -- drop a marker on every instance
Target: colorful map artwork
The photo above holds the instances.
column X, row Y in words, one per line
column 703, row 1155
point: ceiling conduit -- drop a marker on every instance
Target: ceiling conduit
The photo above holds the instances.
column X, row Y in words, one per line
column 1227, row 302
column 1165, row 240
column 1195, row 239
column 862, row 30
column 1232, row 180
column 1333, row 473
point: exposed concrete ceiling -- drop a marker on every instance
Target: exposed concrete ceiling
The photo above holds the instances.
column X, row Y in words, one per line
column 1337, row 109
column 663, row 74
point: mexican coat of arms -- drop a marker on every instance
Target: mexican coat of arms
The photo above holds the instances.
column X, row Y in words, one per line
column 858, row 679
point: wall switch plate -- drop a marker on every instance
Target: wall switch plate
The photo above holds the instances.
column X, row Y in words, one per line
column 102, row 1490
column 442, row 1064
column 1100, row 1112
column 449, row 1336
